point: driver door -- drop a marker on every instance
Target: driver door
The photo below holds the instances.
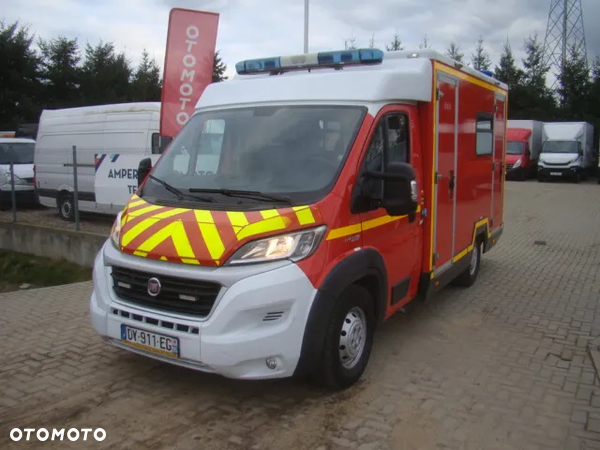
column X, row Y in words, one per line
column 398, row 239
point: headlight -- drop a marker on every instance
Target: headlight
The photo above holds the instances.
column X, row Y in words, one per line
column 517, row 164
column 292, row 246
column 115, row 233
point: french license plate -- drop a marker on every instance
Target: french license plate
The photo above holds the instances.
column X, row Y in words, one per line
column 152, row 342
column 556, row 173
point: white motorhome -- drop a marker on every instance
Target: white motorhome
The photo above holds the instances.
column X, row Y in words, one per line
column 130, row 129
column 19, row 151
column 567, row 151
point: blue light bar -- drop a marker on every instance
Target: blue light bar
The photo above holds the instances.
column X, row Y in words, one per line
column 311, row 60
column 488, row 73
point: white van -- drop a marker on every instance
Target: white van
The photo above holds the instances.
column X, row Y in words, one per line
column 123, row 129
column 20, row 151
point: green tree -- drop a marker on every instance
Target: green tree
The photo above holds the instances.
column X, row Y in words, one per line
column 19, row 76
column 60, row 72
column 105, row 75
column 454, row 53
column 396, row 44
column 219, row 68
column 425, row 43
column 507, row 70
column 481, row 58
column 575, row 85
column 145, row 83
column 350, row 44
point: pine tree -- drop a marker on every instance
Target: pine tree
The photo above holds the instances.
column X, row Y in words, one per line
column 454, row 52
column 481, row 58
column 396, row 44
column 61, row 74
column 146, row 83
column 574, row 85
column 425, row 43
column 507, row 70
column 20, row 88
column 219, row 68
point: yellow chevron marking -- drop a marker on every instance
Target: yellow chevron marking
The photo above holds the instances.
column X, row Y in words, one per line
column 145, row 210
column 238, row 220
column 264, row 226
column 175, row 231
column 210, row 233
column 344, row 231
column 304, row 215
column 135, row 231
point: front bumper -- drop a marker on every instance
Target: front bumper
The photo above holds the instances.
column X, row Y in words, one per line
column 515, row 173
column 559, row 172
column 234, row 340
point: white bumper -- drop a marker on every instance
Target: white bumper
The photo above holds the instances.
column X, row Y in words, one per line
column 234, row 340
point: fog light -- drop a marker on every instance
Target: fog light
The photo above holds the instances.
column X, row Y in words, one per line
column 271, row 363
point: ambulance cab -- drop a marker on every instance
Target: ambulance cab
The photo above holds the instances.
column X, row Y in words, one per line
column 305, row 202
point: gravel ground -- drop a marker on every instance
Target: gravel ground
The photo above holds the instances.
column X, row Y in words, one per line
column 48, row 217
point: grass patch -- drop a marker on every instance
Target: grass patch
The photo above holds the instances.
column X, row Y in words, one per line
column 17, row 269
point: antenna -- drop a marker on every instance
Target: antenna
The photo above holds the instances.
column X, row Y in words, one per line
column 565, row 28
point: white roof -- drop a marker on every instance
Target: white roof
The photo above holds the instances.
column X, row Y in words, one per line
column 16, row 141
column 402, row 76
column 104, row 109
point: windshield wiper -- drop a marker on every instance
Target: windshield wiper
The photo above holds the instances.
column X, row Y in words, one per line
column 247, row 194
column 178, row 193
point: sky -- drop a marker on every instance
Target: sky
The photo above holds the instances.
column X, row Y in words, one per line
column 261, row 28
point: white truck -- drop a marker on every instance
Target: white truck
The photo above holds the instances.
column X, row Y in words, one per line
column 567, row 151
column 19, row 151
column 110, row 142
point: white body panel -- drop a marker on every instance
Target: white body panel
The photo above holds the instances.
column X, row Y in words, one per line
column 23, row 171
column 537, row 137
column 400, row 76
column 234, row 340
column 569, row 131
column 122, row 128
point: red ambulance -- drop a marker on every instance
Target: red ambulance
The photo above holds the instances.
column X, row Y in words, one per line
column 305, row 202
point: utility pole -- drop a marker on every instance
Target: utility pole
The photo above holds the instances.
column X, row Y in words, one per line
column 305, row 26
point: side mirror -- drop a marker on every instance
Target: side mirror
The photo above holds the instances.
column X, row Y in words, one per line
column 400, row 195
column 143, row 170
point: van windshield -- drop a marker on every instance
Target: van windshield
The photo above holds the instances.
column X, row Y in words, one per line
column 17, row 152
column 560, row 147
column 514, row 148
column 291, row 151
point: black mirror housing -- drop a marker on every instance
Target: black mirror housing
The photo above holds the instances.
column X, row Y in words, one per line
column 400, row 196
column 144, row 168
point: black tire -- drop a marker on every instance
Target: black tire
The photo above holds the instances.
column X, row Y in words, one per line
column 66, row 207
column 469, row 276
column 331, row 372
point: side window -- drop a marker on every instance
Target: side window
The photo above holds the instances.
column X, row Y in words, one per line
column 485, row 134
column 389, row 144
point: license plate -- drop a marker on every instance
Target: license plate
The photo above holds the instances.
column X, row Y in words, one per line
column 556, row 173
column 151, row 342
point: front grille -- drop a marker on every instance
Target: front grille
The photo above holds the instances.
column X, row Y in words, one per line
column 180, row 295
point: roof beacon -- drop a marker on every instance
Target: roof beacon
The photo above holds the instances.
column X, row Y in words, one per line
column 337, row 59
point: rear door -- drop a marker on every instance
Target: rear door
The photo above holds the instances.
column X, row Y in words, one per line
column 499, row 128
column 445, row 172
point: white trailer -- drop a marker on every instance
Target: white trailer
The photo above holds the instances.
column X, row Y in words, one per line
column 119, row 135
column 567, row 151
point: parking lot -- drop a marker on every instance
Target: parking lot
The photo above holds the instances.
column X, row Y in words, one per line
column 502, row 365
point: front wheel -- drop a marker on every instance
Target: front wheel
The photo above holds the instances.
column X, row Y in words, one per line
column 66, row 207
column 348, row 340
column 469, row 276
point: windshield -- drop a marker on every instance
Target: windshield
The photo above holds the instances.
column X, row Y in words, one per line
column 514, row 148
column 17, row 153
column 292, row 151
column 560, row 147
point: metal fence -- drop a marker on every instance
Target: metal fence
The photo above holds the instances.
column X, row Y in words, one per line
column 72, row 181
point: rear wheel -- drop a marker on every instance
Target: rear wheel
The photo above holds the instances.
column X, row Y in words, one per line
column 469, row 276
column 66, row 207
column 348, row 340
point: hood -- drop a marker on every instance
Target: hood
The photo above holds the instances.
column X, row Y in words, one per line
column 203, row 237
column 21, row 170
column 511, row 159
column 558, row 158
